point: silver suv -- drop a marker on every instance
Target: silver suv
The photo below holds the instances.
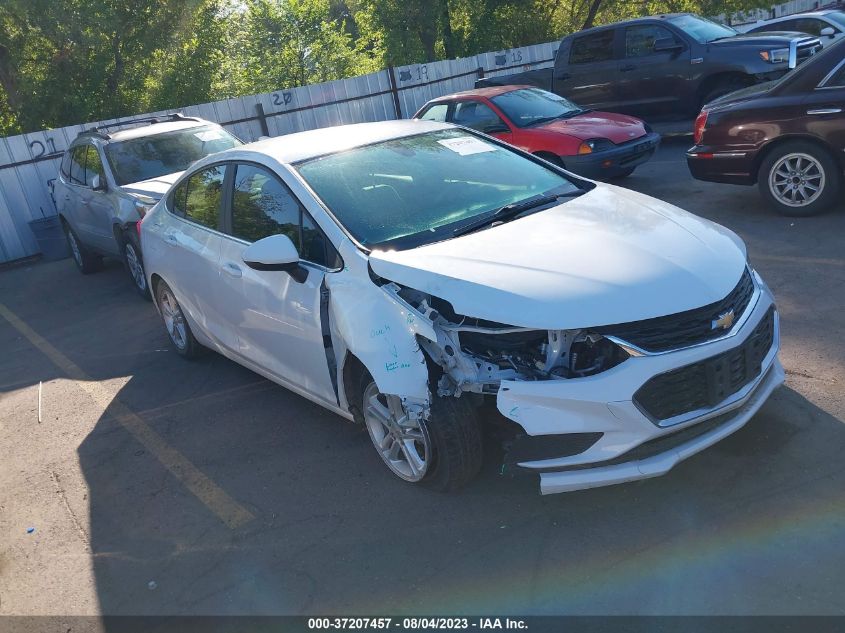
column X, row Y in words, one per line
column 108, row 181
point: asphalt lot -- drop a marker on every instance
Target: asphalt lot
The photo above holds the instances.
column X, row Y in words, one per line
column 159, row 486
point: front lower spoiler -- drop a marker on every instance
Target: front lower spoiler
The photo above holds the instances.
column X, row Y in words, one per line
column 594, row 477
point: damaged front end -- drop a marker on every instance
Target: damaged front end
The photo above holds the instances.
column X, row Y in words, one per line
column 477, row 355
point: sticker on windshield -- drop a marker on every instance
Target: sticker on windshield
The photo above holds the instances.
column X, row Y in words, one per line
column 209, row 135
column 466, row 145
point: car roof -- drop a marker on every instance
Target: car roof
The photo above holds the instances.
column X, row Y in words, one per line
column 488, row 92
column 293, row 148
column 648, row 18
column 156, row 128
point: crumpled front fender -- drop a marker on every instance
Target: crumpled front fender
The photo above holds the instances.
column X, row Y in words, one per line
column 380, row 329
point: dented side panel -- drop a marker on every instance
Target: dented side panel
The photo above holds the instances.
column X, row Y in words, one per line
column 380, row 330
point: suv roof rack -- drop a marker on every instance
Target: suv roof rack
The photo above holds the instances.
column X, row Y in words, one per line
column 100, row 130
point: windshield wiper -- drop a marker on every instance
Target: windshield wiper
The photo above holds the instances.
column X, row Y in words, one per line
column 510, row 211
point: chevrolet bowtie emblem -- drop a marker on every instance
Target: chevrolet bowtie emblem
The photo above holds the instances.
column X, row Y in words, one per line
column 724, row 322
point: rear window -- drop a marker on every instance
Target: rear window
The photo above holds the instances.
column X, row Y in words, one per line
column 596, row 47
column 156, row 155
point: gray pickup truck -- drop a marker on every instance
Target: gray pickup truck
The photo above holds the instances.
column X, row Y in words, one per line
column 663, row 67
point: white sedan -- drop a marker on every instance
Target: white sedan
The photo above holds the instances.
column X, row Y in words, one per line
column 402, row 273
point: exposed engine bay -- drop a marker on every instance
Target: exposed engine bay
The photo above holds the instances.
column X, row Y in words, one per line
column 476, row 355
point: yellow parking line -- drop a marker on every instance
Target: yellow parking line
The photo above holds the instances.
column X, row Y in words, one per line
column 221, row 504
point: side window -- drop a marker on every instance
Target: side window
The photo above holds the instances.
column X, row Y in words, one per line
column 178, row 199
column 262, row 206
column 437, row 112
column 477, row 116
column 316, row 247
column 204, row 191
column 786, row 25
column 838, row 79
column 596, row 47
column 810, row 25
column 93, row 165
column 639, row 40
column 77, row 165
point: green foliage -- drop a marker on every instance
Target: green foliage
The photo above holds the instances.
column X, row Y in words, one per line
column 81, row 60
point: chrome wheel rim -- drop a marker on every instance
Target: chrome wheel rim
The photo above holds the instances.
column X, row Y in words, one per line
column 402, row 443
column 136, row 269
column 74, row 248
column 796, row 180
column 174, row 320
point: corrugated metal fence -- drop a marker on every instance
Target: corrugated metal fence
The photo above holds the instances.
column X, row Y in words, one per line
column 30, row 161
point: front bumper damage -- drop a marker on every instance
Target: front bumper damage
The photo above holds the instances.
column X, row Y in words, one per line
column 630, row 445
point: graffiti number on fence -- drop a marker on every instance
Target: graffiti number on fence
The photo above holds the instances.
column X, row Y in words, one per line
column 37, row 148
column 516, row 56
column 282, row 98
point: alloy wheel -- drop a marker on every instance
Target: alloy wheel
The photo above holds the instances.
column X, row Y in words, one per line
column 796, row 180
column 74, row 248
column 136, row 268
column 174, row 320
column 403, row 443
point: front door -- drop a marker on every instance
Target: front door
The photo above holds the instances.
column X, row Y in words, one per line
column 652, row 83
column 96, row 205
column 589, row 79
column 278, row 319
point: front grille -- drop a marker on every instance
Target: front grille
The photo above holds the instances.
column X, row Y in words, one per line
column 684, row 328
column 806, row 51
column 705, row 384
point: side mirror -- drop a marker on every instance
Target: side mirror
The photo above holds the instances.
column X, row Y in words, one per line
column 495, row 128
column 277, row 253
column 98, row 184
column 827, row 32
column 667, row 45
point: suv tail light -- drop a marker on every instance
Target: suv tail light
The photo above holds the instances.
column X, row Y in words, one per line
column 698, row 129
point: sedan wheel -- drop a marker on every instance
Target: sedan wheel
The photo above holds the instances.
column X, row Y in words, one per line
column 797, row 180
column 402, row 443
column 135, row 266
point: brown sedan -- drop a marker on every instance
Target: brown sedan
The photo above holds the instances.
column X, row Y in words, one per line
column 788, row 136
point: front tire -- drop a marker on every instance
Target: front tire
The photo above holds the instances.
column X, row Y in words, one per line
column 86, row 261
column 175, row 323
column 135, row 267
column 443, row 452
column 799, row 179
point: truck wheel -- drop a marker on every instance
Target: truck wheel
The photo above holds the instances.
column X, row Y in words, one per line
column 135, row 266
column 86, row 261
column 799, row 179
column 175, row 323
column 721, row 88
column 443, row 453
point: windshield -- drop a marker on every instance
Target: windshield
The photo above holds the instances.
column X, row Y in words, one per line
column 416, row 190
column 531, row 106
column 152, row 156
column 701, row 30
column 837, row 16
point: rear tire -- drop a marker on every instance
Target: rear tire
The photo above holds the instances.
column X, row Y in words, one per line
column 443, row 453
column 86, row 261
column 135, row 267
column 175, row 323
column 799, row 179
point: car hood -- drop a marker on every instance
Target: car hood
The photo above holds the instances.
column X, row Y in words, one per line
column 609, row 256
column 767, row 38
column 619, row 128
column 154, row 187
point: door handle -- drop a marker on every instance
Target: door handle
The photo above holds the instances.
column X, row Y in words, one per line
column 171, row 239
column 628, row 68
column 83, row 201
column 825, row 111
column 233, row 270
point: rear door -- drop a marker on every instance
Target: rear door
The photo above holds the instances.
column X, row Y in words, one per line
column 652, row 83
column 96, row 205
column 69, row 198
column 589, row 78
column 280, row 322
column 192, row 238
